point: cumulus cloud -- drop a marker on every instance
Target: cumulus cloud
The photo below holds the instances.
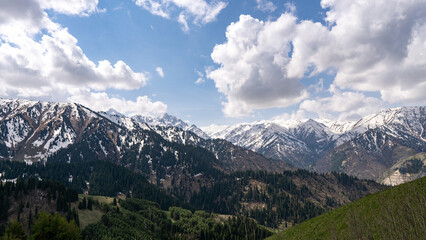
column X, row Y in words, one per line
column 39, row 58
column 57, row 61
column 198, row 11
column 376, row 46
column 21, row 14
column 372, row 46
column 296, row 115
column 71, row 7
column 254, row 71
column 266, row 6
column 101, row 102
column 160, row 71
column 346, row 105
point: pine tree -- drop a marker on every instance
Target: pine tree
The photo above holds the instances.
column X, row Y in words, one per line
column 30, row 219
column 75, row 216
column 55, row 227
column 15, row 231
column 69, row 215
column 89, row 203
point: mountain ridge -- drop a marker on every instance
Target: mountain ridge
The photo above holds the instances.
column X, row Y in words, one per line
column 310, row 143
column 32, row 130
column 37, row 131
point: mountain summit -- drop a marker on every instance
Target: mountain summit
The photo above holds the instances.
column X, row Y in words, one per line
column 374, row 147
column 34, row 131
column 389, row 146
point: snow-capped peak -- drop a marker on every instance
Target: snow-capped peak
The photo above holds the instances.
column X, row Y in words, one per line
column 213, row 129
column 289, row 123
column 309, row 138
column 397, row 115
column 337, row 127
column 168, row 120
column 114, row 112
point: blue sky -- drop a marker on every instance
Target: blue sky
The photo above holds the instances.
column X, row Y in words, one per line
column 145, row 41
column 327, row 58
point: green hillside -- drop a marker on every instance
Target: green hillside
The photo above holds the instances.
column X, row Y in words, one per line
column 395, row 213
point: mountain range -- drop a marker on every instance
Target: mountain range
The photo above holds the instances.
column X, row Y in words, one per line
column 166, row 160
column 34, row 131
column 388, row 147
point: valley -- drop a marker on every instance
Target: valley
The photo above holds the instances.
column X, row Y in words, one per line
column 164, row 161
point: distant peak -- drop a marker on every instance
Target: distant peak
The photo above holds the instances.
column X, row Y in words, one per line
column 114, row 112
column 312, row 121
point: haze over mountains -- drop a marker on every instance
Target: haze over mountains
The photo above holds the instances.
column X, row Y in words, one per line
column 388, row 147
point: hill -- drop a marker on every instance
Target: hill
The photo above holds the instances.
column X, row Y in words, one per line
column 279, row 199
column 140, row 219
column 23, row 199
column 30, row 207
column 273, row 199
column 395, row 213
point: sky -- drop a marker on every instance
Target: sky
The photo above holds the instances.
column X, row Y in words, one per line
column 217, row 62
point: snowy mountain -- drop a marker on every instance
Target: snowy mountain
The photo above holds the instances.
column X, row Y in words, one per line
column 43, row 131
column 383, row 145
column 31, row 131
column 315, row 143
column 175, row 130
column 168, row 120
column 298, row 142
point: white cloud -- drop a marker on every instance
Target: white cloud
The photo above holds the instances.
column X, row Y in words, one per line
column 160, row 71
column 56, row 61
column 290, row 7
column 183, row 22
column 21, row 14
column 200, row 11
column 254, row 71
column 41, row 59
column 296, row 115
column 101, row 102
column 347, row 105
column 71, row 7
column 200, row 78
column 154, row 7
column 372, row 46
column 200, row 81
column 319, row 86
column 266, row 6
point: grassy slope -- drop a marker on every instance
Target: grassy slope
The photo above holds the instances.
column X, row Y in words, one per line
column 396, row 213
column 91, row 216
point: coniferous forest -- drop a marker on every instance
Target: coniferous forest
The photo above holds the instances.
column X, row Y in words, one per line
column 240, row 205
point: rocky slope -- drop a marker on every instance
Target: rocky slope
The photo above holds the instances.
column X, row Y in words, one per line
column 383, row 147
column 367, row 148
column 43, row 131
column 233, row 157
column 170, row 121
